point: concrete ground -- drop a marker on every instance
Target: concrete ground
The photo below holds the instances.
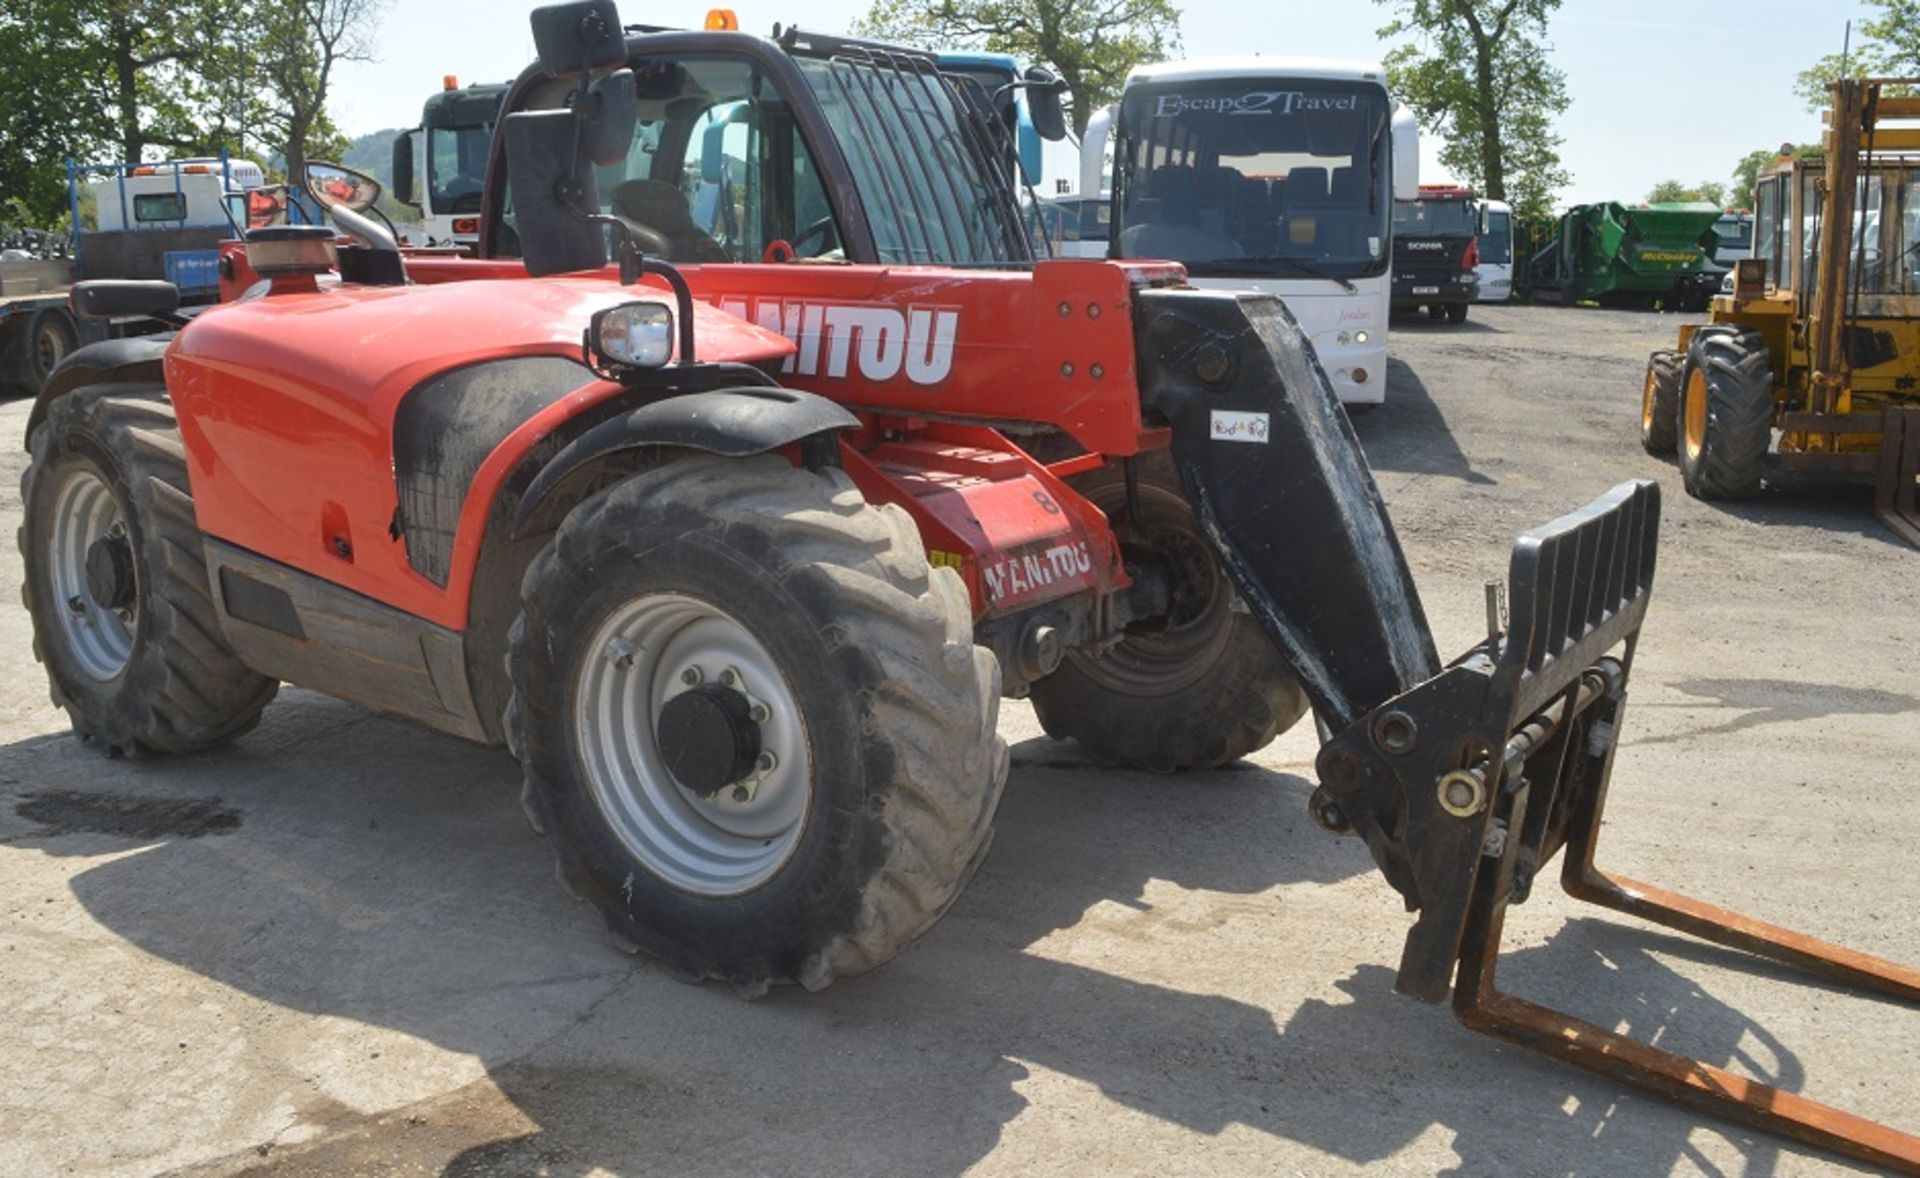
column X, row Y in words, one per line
column 336, row 947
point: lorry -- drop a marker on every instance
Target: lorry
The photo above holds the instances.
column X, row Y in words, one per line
column 1436, row 251
column 155, row 221
column 1619, row 255
column 449, row 150
column 1811, row 363
column 1267, row 173
column 736, row 553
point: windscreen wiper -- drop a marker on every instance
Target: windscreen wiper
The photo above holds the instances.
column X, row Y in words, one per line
column 1256, row 263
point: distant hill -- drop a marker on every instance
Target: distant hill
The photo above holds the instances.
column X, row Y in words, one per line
column 372, row 153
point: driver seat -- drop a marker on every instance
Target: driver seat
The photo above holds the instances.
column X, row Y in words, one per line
column 661, row 209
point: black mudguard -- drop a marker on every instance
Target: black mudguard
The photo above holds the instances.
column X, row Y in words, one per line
column 115, row 361
column 733, row 423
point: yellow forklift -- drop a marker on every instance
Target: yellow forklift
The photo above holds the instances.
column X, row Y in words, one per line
column 1820, row 339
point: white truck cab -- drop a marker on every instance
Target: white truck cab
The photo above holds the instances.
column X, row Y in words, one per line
column 1271, row 173
column 177, row 194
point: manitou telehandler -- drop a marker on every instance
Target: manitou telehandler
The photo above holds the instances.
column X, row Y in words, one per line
column 1820, row 339
column 736, row 540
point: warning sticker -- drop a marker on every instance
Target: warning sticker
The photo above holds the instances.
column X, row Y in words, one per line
column 1233, row 426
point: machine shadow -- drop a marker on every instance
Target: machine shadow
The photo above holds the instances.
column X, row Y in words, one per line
column 1410, row 435
column 342, row 865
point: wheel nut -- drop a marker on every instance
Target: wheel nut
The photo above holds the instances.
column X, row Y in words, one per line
column 766, row 762
column 758, row 713
column 730, row 678
column 77, row 604
column 742, row 794
column 691, row 676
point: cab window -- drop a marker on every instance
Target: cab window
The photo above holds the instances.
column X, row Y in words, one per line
column 718, row 170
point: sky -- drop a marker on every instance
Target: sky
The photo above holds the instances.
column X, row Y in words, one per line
column 1660, row 89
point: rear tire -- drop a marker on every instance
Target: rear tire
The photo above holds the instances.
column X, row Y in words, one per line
column 1660, row 403
column 50, row 339
column 1456, row 312
column 857, row 659
column 108, row 510
column 1726, row 414
column 1207, row 689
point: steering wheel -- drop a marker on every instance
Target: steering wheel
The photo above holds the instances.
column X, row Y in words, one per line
column 818, row 229
column 647, row 239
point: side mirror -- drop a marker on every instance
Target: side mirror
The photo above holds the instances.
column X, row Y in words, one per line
column 571, row 39
column 607, row 118
column 1093, row 152
column 1043, row 104
column 403, row 169
column 554, row 191
column 1405, row 130
column 336, row 187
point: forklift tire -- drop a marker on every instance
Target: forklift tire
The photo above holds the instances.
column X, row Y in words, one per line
column 1205, row 689
column 1726, row 414
column 815, row 766
column 116, row 581
column 1660, row 403
column 1456, row 312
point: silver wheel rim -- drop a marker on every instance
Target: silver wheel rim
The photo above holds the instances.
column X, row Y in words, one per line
column 100, row 639
column 645, row 653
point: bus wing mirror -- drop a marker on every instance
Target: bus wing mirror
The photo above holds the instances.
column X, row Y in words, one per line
column 1093, row 152
column 1044, row 107
column 403, row 168
column 1405, row 132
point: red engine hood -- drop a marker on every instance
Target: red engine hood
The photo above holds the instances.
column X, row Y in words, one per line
column 359, row 339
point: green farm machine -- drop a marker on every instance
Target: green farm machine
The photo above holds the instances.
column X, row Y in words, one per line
column 1629, row 256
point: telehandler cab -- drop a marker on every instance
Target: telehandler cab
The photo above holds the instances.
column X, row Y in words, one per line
column 1820, row 339
column 736, row 539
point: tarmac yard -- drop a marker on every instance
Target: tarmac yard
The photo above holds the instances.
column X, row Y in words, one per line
column 337, row 947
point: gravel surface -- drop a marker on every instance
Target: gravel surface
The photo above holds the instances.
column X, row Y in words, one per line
column 336, row 947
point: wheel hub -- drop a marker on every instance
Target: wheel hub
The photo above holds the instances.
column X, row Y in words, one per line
column 708, row 739
column 109, row 571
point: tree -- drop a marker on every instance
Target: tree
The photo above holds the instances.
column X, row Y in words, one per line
column 293, row 53
column 1091, row 44
column 1712, row 192
column 1477, row 74
column 1746, row 173
column 1887, row 45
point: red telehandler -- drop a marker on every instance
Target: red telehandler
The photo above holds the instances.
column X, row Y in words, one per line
column 750, row 464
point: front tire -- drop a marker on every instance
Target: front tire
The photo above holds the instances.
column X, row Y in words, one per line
column 1207, row 688
column 832, row 667
column 1660, row 404
column 117, row 585
column 1726, row 414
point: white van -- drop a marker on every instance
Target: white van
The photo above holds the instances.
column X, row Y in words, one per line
column 1496, row 252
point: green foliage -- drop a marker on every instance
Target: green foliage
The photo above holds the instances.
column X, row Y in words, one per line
column 1713, row 192
column 138, row 79
column 1887, row 45
column 1476, row 73
column 1091, row 44
column 1747, row 171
